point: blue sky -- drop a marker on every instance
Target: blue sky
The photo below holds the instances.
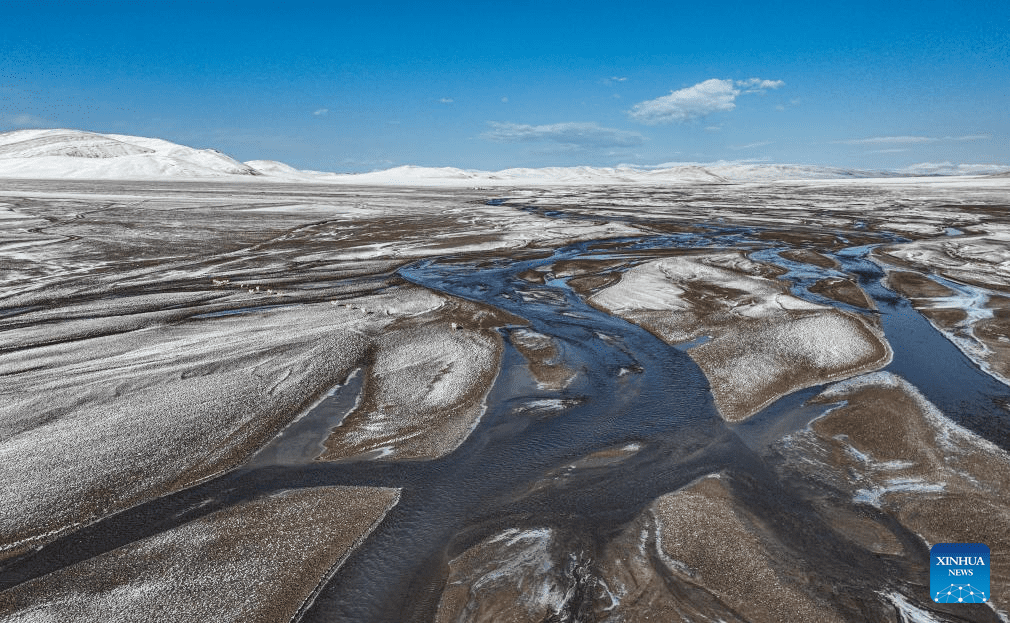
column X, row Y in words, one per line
column 362, row 86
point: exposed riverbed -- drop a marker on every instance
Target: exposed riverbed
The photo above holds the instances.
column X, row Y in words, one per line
column 559, row 484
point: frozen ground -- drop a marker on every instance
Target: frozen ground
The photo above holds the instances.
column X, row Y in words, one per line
column 257, row 561
column 764, row 343
column 426, row 386
column 890, row 448
column 962, row 284
column 154, row 335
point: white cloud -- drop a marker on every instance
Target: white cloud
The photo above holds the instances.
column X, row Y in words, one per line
column 690, row 103
column 504, row 100
column 793, row 102
column 445, row 100
column 757, row 85
column 573, row 134
column 321, row 112
column 621, row 79
column 947, row 168
column 885, row 140
column 697, row 101
column 752, row 145
column 886, row 151
column 900, row 140
column 25, row 121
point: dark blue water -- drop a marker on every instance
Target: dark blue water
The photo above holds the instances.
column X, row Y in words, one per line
column 922, row 355
column 481, row 488
column 496, row 479
column 500, row 477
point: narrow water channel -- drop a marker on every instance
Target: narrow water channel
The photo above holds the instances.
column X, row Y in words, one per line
column 498, row 478
column 666, row 408
column 501, row 476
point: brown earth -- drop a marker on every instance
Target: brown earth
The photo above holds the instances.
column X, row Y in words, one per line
column 915, row 286
column 541, row 353
column 807, row 256
column 397, row 414
column 889, row 447
column 258, row 561
column 844, row 290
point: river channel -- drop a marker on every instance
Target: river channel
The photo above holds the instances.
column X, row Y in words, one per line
column 632, row 390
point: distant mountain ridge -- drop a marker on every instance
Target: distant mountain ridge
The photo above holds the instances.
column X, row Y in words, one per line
column 76, row 154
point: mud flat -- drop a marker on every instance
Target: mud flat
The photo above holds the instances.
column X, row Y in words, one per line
column 426, row 385
column 916, row 286
column 588, row 277
column 541, row 351
column 511, row 576
column 935, row 301
column 843, row 290
column 765, row 342
column 666, row 564
column 975, row 318
column 702, row 552
column 548, row 460
column 808, row 256
column 994, row 333
column 256, row 561
column 885, row 446
column 979, row 259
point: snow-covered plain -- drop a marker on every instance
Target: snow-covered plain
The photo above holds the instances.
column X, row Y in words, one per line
column 161, row 333
column 154, row 334
column 281, row 544
column 766, row 343
column 76, row 154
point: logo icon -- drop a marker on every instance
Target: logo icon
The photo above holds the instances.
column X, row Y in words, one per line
column 959, row 573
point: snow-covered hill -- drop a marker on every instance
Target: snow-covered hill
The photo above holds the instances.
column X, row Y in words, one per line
column 714, row 173
column 719, row 173
column 75, row 154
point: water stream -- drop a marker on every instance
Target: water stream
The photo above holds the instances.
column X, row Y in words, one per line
column 631, row 390
column 665, row 408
